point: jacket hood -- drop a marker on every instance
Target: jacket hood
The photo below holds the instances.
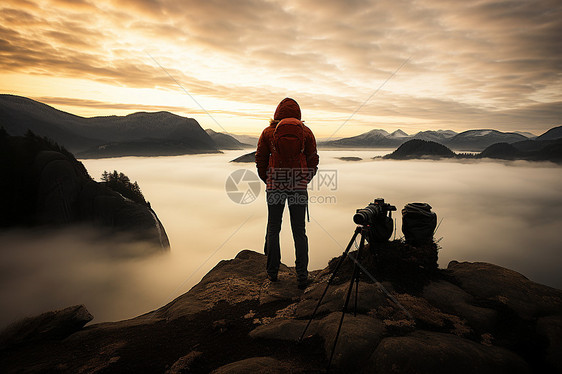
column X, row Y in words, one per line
column 287, row 108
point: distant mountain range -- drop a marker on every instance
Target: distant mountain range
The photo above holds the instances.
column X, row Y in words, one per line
column 164, row 133
column 137, row 134
column 471, row 140
column 248, row 140
column 226, row 141
column 552, row 134
column 531, row 150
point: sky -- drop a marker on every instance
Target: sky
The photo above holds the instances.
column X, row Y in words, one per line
column 352, row 65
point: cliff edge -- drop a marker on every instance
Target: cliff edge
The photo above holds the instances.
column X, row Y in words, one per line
column 44, row 186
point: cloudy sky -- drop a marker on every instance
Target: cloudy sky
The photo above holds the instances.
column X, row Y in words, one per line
column 352, row 65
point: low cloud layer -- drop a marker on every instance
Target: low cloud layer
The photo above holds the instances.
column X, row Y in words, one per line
column 504, row 213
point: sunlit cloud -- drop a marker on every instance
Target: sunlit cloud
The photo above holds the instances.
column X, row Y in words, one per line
column 473, row 64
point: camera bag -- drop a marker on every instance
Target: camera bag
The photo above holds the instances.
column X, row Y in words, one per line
column 418, row 223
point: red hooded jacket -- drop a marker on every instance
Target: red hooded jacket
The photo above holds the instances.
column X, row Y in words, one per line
column 274, row 179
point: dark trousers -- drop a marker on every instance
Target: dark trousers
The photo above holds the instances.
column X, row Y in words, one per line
column 297, row 201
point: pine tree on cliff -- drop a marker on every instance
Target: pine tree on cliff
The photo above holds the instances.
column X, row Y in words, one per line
column 121, row 183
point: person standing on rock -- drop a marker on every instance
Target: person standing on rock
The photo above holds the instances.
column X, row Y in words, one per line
column 287, row 160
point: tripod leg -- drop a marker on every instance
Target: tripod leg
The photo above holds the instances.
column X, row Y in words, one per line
column 359, row 252
column 356, row 295
column 344, row 255
column 354, row 278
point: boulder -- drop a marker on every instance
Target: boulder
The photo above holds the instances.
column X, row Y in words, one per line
column 358, row 338
column 436, row 353
column 54, row 325
column 263, row 365
column 184, row 363
column 369, row 297
column 498, row 284
column 551, row 328
column 454, row 300
column 284, row 290
column 421, row 311
column 284, row 329
column 104, row 361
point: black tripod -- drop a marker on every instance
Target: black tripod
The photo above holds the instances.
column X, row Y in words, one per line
column 354, row 279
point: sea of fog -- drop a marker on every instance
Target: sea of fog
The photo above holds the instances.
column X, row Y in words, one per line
column 507, row 213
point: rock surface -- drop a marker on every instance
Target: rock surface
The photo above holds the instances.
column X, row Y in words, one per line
column 497, row 284
column 358, row 337
column 471, row 317
column 551, row 328
column 234, row 281
column 454, row 300
column 47, row 326
column 184, row 363
column 265, row 365
column 433, row 352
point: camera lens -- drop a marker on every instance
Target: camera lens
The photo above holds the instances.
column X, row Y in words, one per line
column 360, row 217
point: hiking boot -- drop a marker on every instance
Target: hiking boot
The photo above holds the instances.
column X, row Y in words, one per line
column 273, row 278
column 302, row 284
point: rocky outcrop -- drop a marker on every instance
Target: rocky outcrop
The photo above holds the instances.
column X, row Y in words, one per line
column 233, row 282
column 47, row 326
column 470, row 317
column 254, row 365
column 248, row 157
column 185, row 363
column 497, row 285
column 550, row 328
column 434, row 352
column 454, row 300
column 46, row 186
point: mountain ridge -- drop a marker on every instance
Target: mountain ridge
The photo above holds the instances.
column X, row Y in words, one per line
column 530, row 150
column 165, row 133
column 226, row 141
column 148, row 130
column 469, row 140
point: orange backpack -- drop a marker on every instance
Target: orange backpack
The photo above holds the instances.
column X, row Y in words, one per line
column 288, row 145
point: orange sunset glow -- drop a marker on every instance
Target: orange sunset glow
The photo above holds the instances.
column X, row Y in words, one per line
column 413, row 65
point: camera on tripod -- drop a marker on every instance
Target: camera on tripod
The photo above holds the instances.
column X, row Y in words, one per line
column 377, row 218
column 375, row 224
